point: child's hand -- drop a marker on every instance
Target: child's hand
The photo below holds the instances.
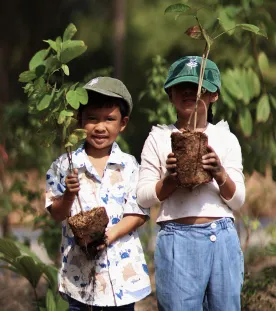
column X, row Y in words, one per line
column 211, row 163
column 72, row 184
column 108, row 240
column 171, row 164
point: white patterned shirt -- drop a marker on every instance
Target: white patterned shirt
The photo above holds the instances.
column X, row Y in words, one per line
column 121, row 275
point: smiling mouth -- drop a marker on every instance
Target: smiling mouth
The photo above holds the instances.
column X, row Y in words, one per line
column 99, row 138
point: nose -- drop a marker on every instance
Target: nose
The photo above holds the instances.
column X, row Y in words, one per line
column 100, row 127
column 188, row 91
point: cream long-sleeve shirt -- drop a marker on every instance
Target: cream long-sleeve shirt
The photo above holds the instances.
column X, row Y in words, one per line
column 204, row 200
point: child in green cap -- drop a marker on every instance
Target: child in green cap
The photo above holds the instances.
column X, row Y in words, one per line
column 198, row 254
column 103, row 176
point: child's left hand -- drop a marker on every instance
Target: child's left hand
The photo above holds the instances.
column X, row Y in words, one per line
column 211, row 163
column 108, row 235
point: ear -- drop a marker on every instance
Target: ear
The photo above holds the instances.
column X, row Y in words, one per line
column 124, row 123
column 214, row 97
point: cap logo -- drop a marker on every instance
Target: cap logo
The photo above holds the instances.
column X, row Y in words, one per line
column 192, row 63
column 94, row 81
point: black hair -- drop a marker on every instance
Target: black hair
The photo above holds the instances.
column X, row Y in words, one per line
column 97, row 100
column 210, row 115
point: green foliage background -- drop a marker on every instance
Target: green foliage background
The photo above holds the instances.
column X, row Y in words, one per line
column 151, row 42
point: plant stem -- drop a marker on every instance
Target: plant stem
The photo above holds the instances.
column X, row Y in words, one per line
column 201, row 75
column 224, row 32
column 69, row 155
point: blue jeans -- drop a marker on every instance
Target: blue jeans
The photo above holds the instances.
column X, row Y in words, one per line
column 196, row 263
column 75, row 305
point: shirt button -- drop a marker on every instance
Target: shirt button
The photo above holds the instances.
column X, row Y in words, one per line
column 213, row 238
column 213, row 225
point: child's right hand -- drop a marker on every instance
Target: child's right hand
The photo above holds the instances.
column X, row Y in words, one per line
column 72, row 183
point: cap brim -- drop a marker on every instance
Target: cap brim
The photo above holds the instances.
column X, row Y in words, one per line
column 101, row 91
column 207, row 85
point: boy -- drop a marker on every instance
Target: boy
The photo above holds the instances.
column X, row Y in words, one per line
column 103, row 176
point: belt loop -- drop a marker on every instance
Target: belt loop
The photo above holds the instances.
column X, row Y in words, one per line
column 224, row 223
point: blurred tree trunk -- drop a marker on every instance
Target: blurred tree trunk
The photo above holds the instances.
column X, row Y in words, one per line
column 119, row 36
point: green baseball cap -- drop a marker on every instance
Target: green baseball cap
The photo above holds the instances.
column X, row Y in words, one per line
column 110, row 87
column 187, row 69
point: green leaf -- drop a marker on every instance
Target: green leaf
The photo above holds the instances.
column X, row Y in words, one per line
column 177, row 8
column 231, row 82
column 52, row 44
column 65, row 69
column 39, row 84
column 263, row 62
column 263, row 109
column 272, row 101
column 72, row 99
column 38, row 59
column 50, row 301
column 80, row 133
column 68, row 145
column 226, row 21
column 252, row 28
column 75, row 97
column 44, row 102
column 31, row 270
column 9, row 249
column 63, row 114
column 58, row 44
column 73, row 139
column 51, row 275
column 245, row 121
column 61, row 304
column 82, row 95
column 253, row 83
column 27, row 76
column 72, row 49
column 69, row 32
column 52, row 63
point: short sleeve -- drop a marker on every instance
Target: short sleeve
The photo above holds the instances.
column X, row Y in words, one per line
column 55, row 182
column 131, row 206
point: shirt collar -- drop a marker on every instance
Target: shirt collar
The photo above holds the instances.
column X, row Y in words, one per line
column 80, row 158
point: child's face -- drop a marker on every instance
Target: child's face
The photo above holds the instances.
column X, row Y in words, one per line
column 183, row 97
column 103, row 126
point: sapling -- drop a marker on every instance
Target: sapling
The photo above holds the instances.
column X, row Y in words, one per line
column 55, row 103
column 191, row 145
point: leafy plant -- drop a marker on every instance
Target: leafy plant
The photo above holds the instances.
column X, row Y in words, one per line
column 161, row 111
column 50, row 236
column 22, row 261
column 53, row 100
column 200, row 33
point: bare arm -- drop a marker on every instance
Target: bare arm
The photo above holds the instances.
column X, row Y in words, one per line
column 129, row 223
column 61, row 207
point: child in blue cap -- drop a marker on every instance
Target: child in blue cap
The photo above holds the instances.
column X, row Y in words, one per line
column 107, row 177
column 198, row 253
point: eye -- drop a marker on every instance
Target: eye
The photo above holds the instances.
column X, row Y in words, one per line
column 111, row 118
column 91, row 118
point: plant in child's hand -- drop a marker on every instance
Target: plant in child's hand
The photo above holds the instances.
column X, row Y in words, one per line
column 55, row 102
column 189, row 169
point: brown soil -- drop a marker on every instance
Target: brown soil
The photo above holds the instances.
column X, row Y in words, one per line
column 189, row 147
column 89, row 226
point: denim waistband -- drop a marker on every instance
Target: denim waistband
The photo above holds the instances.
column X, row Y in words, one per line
column 222, row 223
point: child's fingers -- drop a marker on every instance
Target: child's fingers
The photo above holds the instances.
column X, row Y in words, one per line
column 101, row 247
column 171, row 155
